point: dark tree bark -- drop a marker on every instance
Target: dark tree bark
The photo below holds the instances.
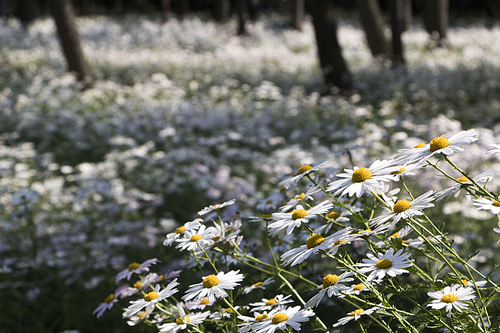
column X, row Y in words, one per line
column 436, row 20
column 298, row 14
column 165, row 10
column 222, row 10
column 408, row 15
column 373, row 24
column 332, row 62
column 64, row 15
column 397, row 22
column 242, row 16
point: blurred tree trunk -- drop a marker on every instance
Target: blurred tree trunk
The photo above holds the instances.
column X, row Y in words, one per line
column 165, row 10
column 373, row 24
column 242, row 16
column 436, row 20
column 493, row 8
column 397, row 22
column 408, row 15
column 26, row 11
column 332, row 62
column 298, row 14
column 64, row 15
column 222, row 10
column 253, row 9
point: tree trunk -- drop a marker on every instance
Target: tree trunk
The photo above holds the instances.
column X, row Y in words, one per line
column 298, row 14
column 397, row 21
column 373, row 24
column 253, row 9
column 436, row 20
column 222, row 10
column 242, row 16
column 408, row 15
column 165, row 10
column 26, row 11
column 332, row 62
column 63, row 13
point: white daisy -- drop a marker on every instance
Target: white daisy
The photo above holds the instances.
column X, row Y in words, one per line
column 333, row 216
column 355, row 289
column 402, row 209
column 407, row 169
column 362, row 180
column 216, row 207
column 193, row 225
column 304, row 171
column 196, row 238
column 151, row 298
column 198, row 304
column 137, row 318
column 135, row 268
column 258, row 285
column 398, row 234
column 249, row 322
column 332, row 285
column 464, row 182
column 225, row 232
column 109, row 301
column 488, row 204
column 271, row 202
column 494, row 149
column 300, row 198
column 380, row 229
column 214, row 285
column 389, row 263
column 451, row 297
column 142, row 284
column 183, row 321
column 356, row 314
column 267, row 304
column 280, row 318
column 224, row 313
column 440, row 145
column 468, row 283
column 289, row 221
column 315, row 244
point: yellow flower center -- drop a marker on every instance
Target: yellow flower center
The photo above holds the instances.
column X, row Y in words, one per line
column 279, row 318
column 271, row 302
column 142, row 315
column 304, row 168
column 133, row 266
column 300, row 196
column 401, row 206
column 228, row 310
column 216, row 239
column 180, row 230
column 204, row 301
column 356, row 312
column 463, row 179
column 314, row 241
column 261, row 317
column 210, row 281
column 333, row 215
column 367, row 230
column 384, row 264
column 400, row 171
column 182, row 322
column 394, row 235
column 449, row 298
column 439, row 143
column 330, row 280
column 496, row 203
column 359, row 286
column 195, row 238
column 299, row 214
column 258, row 284
column 151, row 296
column 268, row 202
column 138, row 284
column 267, row 216
column 464, row 282
column 420, row 145
column 361, row 174
column 339, row 242
column 110, row 298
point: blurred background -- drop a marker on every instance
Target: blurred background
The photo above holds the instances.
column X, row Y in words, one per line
column 121, row 119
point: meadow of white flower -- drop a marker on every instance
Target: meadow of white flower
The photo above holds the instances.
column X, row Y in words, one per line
column 186, row 114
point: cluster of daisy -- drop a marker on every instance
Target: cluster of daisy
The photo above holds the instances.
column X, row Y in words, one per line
column 354, row 250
